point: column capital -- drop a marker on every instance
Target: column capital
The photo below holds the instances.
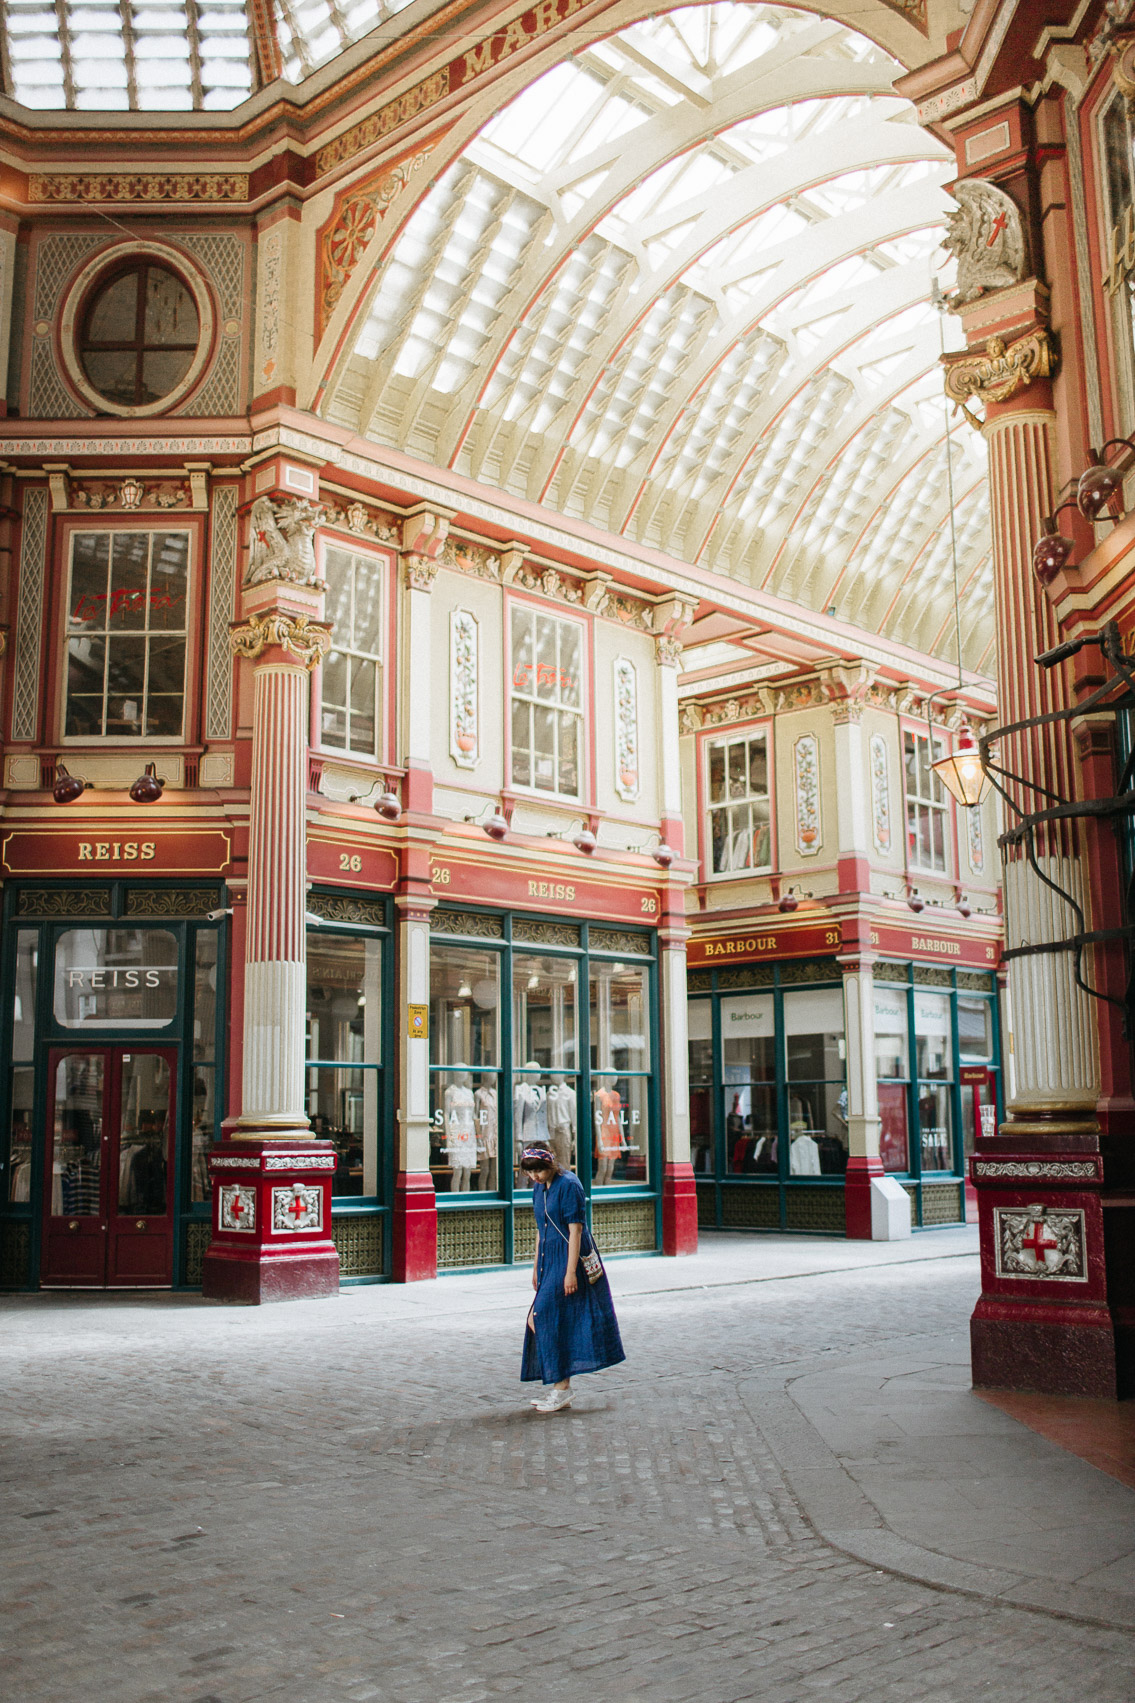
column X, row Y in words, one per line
column 668, row 651
column 419, row 571
column 298, row 635
column 1000, row 370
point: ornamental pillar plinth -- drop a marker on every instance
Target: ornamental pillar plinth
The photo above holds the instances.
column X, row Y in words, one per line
column 1042, row 1322
column 271, row 1178
column 414, row 1228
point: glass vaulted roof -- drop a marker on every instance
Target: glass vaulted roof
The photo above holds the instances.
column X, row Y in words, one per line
column 680, row 288
column 168, row 55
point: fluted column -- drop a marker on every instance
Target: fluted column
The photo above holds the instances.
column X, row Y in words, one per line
column 863, row 1161
column 1042, row 1321
column 679, row 1191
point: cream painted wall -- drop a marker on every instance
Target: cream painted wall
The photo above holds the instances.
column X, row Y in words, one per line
column 641, row 813
column 484, row 600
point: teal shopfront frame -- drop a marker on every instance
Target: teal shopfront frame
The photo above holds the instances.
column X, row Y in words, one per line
column 484, row 1230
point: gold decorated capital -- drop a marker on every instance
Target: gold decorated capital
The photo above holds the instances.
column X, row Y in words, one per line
column 307, row 640
column 999, row 370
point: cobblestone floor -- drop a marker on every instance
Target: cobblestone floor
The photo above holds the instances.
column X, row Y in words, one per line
column 350, row 1500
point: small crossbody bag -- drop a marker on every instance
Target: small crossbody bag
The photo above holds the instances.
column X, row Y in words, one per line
column 591, row 1262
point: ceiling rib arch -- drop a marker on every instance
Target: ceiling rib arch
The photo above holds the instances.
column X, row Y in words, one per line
column 678, row 288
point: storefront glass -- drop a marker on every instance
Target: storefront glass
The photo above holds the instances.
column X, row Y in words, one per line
column 817, row 1096
column 620, row 1074
column 344, row 1050
column 748, row 1073
column 892, row 1072
column 465, row 1067
column 934, row 1052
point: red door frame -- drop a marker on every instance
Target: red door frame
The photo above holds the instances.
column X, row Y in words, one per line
column 113, row 1249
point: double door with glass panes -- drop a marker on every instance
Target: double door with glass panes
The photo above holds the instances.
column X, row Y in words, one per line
column 108, row 1167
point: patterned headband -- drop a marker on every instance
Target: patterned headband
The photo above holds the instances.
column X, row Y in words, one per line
column 536, row 1156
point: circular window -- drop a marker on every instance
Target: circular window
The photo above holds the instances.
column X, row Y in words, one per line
column 139, row 336
column 136, row 329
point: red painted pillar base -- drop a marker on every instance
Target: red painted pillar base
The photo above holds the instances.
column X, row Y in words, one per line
column 861, row 1170
column 415, row 1227
column 1043, row 1321
column 271, row 1222
column 679, row 1210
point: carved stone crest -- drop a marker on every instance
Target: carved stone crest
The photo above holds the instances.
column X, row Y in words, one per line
column 1040, row 1242
column 280, row 542
column 987, row 238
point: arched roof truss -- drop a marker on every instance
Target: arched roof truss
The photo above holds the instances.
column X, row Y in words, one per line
column 679, row 288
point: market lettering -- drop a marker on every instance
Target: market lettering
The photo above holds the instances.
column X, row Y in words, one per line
column 949, row 948
column 550, row 890
column 517, row 34
column 117, row 851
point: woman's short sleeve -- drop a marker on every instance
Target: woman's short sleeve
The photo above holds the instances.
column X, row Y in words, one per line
column 571, row 1202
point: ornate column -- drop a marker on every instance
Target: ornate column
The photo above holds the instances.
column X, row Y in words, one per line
column 1042, row 1321
column 679, row 1192
column 864, row 1165
column 271, row 1178
column 424, row 532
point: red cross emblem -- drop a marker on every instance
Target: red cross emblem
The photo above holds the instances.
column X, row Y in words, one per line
column 298, row 1208
column 1038, row 1244
column 237, row 1207
column 999, row 224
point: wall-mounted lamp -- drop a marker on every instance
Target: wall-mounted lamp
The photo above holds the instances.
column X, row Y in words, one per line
column 583, row 839
column 915, row 900
column 662, row 854
column 387, row 804
column 965, row 909
column 962, row 772
column 67, row 787
column 494, row 824
column 790, row 901
column 147, row 789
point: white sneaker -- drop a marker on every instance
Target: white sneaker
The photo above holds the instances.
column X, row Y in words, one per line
column 553, row 1400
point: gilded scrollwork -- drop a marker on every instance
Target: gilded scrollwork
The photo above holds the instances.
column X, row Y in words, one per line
column 307, row 640
column 999, row 370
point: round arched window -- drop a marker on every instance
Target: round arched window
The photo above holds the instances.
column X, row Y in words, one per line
column 140, row 334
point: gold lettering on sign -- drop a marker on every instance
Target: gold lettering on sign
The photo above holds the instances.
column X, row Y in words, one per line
column 948, row 948
column 550, row 890
column 117, row 851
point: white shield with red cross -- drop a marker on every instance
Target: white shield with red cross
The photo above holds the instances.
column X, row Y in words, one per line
column 297, row 1208
column 238, row 1207
column 1040, row 1242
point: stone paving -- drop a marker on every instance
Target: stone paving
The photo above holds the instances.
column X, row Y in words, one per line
column 350, row 1500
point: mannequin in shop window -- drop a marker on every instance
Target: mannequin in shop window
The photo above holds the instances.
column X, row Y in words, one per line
column 804, row 1156
column 529, row 1118
column 608, row 1132
column 20, row 1181
column 485, row 1114
column 460, row 1132
column 560, row 1111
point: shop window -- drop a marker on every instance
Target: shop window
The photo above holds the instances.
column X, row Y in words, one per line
column 206, row 1049
column 344, row 1040
column 748, row 1077
column 139, row 335
column 620, row 1073
column 934, row 1053
column 926, row 806
column 1119, row 215
column 545, row 1086
column 739, row 812
column 816, row 1070
column 701, row 1086
column 116, row 978
column 546, row 702
column 892, row 1073
column 349, row 712
column 22, row 1082
column 126, row 635
column 465, row 1060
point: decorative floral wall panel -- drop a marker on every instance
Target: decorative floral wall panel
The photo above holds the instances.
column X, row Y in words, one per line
column 806, row 767
column 880, row 794
column 626, row 729
column 464, row 714
column 976, row 841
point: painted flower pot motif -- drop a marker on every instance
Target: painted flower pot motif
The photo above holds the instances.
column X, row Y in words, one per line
column 465, row 741
column 808, row 835
column 629, row 778
column 806, row 763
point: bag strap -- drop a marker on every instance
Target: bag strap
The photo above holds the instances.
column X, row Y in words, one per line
column 550, row 1220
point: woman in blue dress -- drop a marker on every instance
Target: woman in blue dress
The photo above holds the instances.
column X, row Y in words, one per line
column 572, row 1325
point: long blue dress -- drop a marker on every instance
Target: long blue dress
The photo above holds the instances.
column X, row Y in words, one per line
column 573, row 1333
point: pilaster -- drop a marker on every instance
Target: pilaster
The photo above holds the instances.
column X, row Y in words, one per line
column 863, row 1161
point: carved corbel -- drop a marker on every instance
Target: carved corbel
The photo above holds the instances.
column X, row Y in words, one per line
column 58, row 484
column 999, row 370
column 425, row 529
column 512, row 560
column 673, row 615
column 668, row 651
column 307, row 640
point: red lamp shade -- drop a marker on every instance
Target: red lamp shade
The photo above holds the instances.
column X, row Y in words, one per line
column 147, row 789
column 663, row 855
column 67, row 787
column 962, row 772
column 788, row 902
column 585, row 841
column 388, row 806
column 495, row 826
column 1050, row 553
column 1098, row 484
